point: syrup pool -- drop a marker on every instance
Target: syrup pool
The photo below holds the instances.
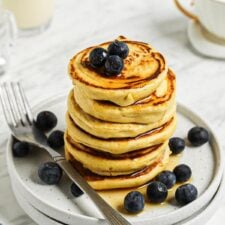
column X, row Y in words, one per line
column 116, row 197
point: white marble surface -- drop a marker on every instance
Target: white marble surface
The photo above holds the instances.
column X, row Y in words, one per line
column 40, row 63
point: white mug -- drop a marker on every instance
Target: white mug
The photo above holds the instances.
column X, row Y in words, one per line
column 210, row 14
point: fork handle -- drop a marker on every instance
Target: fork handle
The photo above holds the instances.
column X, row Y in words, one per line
column 111, row 215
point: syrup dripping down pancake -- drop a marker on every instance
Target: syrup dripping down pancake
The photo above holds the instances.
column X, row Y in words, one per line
column 145, row 111
column 106, row 129
column 136, row 179
column 103, row 163
column 121, row 145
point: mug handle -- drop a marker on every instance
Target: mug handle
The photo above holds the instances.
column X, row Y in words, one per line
column 185, row 11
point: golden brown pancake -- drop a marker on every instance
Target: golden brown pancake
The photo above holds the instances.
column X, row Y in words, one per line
column 136, row 179
column 144, row 69
column 121, row 145
column 145, row 111
column 103, row 163
column 105, row 129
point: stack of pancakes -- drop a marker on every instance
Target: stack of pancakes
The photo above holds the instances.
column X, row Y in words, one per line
column 118, row 127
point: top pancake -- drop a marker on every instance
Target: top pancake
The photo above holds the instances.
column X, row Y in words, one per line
column 144, row 69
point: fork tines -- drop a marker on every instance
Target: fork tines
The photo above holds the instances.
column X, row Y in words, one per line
column 15, row 106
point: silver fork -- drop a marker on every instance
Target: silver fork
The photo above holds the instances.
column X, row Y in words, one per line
column 19, row 118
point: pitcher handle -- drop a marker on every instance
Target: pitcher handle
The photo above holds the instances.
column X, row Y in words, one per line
column 185, row 11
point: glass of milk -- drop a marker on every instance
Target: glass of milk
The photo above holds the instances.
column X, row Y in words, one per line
column 32, row 16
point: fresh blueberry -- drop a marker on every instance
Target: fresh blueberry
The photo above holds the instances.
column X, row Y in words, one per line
column 168, row 178
column 134, row 202
column 46, row 121
column 21, row 149
column 75, row 190
column 56, row 139
column 157, row 192
column 98, row 57
column 198, row 136
column 182, row 172
column 50, row 172
column 113, row 65
column 118, row 48
column 186, row 194
column 176, row 145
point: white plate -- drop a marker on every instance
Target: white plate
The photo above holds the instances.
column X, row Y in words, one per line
column 200, row 217
column 34, row 214
column 58, row 203
column 209, row 210
column 202, row 44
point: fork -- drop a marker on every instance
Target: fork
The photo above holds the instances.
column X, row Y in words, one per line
column 19, row 118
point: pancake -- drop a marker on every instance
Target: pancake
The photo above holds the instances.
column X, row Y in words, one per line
column 121, row 145
column 113, row 165
column 145, row 111
column 118, row 127
column 144, row 69
column 104, row 129
column 136, row 179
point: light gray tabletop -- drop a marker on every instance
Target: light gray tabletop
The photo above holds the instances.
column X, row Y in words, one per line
column 40, row 63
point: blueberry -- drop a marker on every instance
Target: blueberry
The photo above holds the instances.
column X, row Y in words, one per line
column 186, row 194
column 50, row 173
column 157, row 192
column 168, row 178
column 113, row 65
column 56, row 139
column 46, row 121
column 21, row 149
column 198, row 136
column 75, row 190
column 134, row 202
column 98, row 57
column 182, row 172
column 118, row 48
column 176, row 145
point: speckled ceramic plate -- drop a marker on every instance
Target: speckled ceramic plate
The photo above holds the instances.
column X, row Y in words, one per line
column 200, row 217
column 33, row 213
column 203, row 216
column 57, row 202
